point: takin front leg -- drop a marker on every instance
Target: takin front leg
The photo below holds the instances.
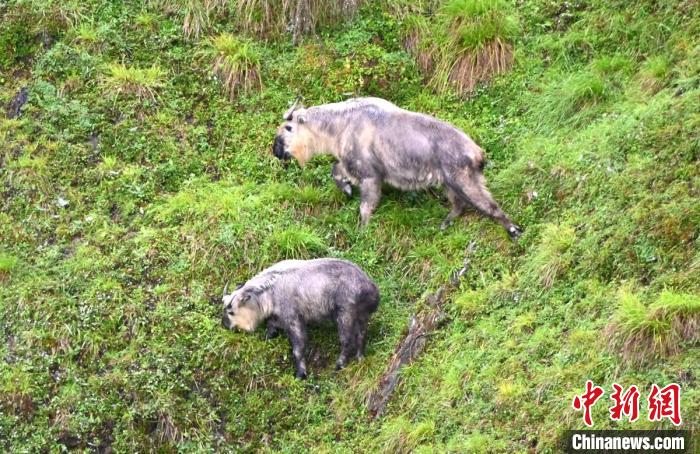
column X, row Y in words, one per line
column 296, row 331
column 370, row 193
column 474, row 191
column 340, row 179
column 272, row 329
column 458, row 205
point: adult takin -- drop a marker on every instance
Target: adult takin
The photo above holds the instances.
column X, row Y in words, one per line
column 293, row 293
column 375, row 141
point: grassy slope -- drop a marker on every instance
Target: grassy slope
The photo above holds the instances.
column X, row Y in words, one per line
column 110, row 305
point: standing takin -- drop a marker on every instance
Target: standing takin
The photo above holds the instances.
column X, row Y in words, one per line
column 293, row 293
column 375, row 141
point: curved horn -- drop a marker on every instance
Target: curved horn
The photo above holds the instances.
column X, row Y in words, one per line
column 288, row 114
column 225, row 288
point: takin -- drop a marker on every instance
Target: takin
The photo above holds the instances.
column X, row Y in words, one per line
column 293, row 293
column 375, row 141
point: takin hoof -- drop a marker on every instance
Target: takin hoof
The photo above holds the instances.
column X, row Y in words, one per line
column 445, row 224
column 514, row 232
column 300, row 374
column 271, row 333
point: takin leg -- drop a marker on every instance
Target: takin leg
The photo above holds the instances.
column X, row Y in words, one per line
column 473, row 189
column 458, row 205
column 272, row 329
column 370, row 193
column 341, row 181
column 348, row 340
column 297, row 339
column 360, row 328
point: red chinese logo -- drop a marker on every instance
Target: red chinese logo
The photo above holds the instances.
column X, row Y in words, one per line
column 662, row 402
column 665, row 403
column 587, row 400
column 625, row 404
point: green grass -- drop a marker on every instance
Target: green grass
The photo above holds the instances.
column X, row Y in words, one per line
column 8, row 263
column 480, row 22
column 143, row 83
column 110, row 305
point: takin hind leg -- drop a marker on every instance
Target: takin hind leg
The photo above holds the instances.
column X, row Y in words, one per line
column 458, row 205
column 348, row 338
column 473, row 189
column 360, row 329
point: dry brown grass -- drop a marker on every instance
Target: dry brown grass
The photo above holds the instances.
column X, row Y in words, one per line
column 266, row 19
column 299, row 17
column 167, row 430
column 424, row 57
column 480, row 65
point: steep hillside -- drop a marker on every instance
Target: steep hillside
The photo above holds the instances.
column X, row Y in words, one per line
column 138, row 179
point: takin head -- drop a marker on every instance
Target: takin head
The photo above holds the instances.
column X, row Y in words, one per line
column 241, row 310
column 292, row 136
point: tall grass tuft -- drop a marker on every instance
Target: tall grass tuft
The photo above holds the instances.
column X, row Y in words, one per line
column 478, row 44
column 553, row 256
column 639, row 332
column 400, row 435
column 142, row 83
column 655, row 73
column 298, row 17
column 263, row 18
column 580, row 96
column 296, row 243
column 235, row 62
column 196, row 14
column 466, row 43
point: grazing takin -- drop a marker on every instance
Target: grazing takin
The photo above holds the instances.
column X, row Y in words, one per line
column 375, row 141
column 293, row 293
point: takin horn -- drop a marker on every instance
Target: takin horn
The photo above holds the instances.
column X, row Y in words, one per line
column 288, row 114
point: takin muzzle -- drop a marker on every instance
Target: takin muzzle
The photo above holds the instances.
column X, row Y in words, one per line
column 278, row 150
